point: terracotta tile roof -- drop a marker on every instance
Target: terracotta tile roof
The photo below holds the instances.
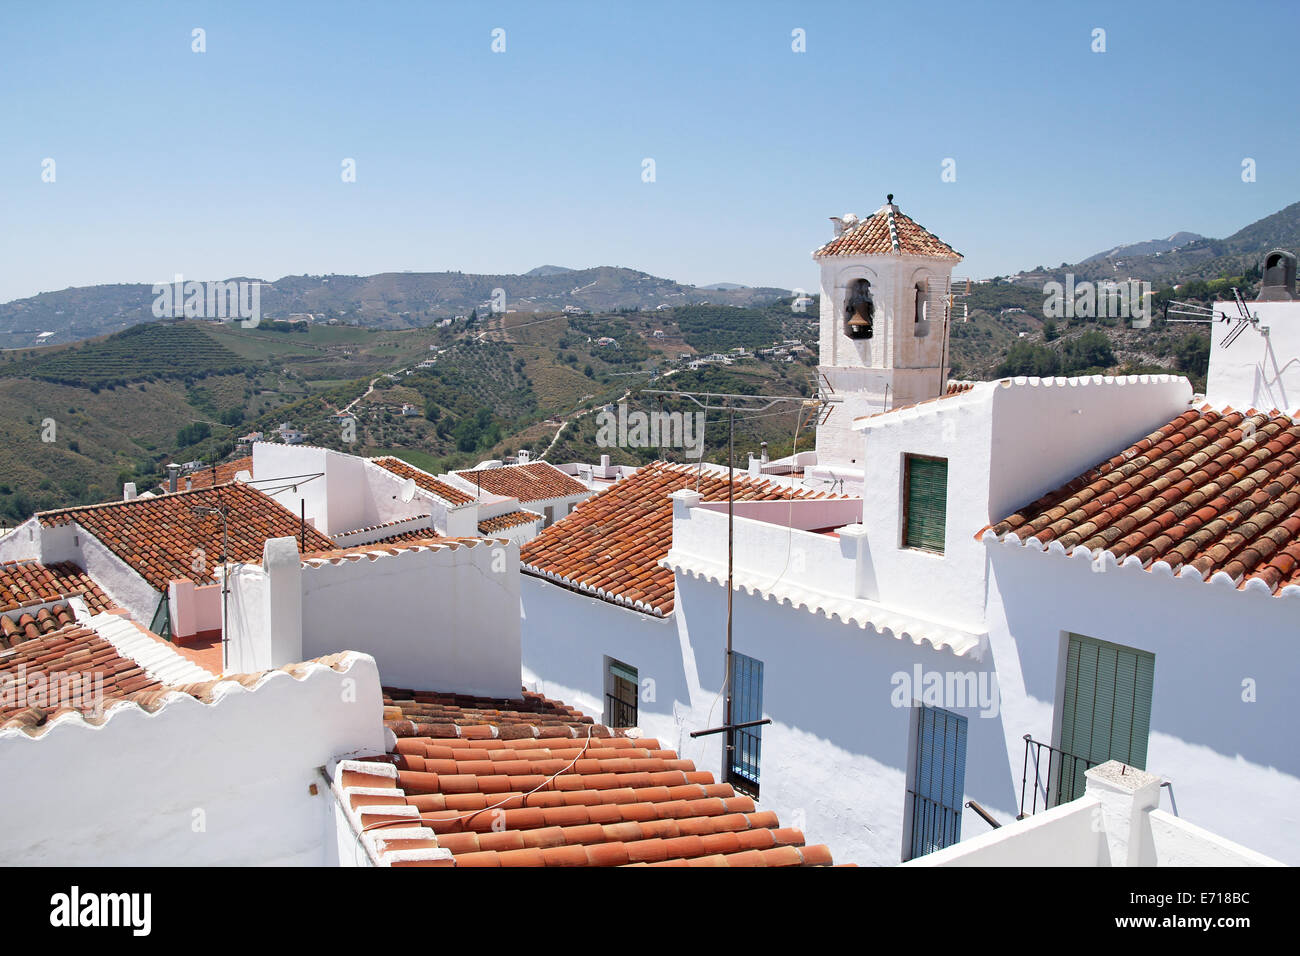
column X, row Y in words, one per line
column 531, row 782
column 511, row 519
column 379, row 549
column 407, row 537
column 76, row 649
column 157, row 536
column 954, row 389
column 66, row 667
column 25, row 582
column 225, row 474
column 423, row 479
column 343, row 539
column 610, row 546
column 888, row 232
column 532, row 482
column 27, row 624
column 1211, row 491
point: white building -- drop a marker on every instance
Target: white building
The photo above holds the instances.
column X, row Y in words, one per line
column 1116, row 822
column 904, row 643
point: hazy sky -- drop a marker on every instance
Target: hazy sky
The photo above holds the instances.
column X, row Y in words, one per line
column 228, row 162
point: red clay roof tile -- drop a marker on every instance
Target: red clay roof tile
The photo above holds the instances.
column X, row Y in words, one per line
column 1211, row 490
column 887, row 231
column 564, row 792
column 612, row 543
column 423, row 479
column 158, row 536
column 25, row 582
column 532, row 482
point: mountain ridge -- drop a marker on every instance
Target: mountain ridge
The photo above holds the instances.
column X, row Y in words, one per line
column 385, row 300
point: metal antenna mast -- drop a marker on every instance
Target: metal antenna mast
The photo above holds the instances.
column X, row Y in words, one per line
column 1194, row 313
column 753, row 404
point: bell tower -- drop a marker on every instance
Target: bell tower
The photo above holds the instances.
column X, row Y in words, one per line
column 885, row 304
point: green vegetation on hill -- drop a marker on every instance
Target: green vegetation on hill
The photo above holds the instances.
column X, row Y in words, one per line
column 150, row 352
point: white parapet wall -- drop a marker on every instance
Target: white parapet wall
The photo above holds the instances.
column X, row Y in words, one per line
column 235, row 781
column 442, row 616
column 1117, row 822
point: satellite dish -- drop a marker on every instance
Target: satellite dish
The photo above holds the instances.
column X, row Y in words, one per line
column 408, row 490
column 243, row 477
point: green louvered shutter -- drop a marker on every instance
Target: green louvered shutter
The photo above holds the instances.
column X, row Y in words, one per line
column 927, row 503
column 1106, row 708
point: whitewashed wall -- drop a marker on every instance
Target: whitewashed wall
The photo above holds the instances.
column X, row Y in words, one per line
column 193, row 784
column 442, row 618
column 836, row 758
column 1234, row 765
column 1256, row 371
column 835, row 761
column 1006, row 444
column 566, row 636
column 23, row 543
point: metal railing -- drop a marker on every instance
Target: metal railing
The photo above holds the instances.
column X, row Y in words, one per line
column 1059, row 782
column 934, row 825
column 983, row 814
column 622, row 713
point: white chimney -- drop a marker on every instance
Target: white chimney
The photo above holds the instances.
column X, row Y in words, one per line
column 523, row 456
column 282, row 641
column 128, row 491
column 838, row 223
column 1127, row 797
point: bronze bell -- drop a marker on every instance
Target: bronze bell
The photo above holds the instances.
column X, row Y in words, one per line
column 859, row 325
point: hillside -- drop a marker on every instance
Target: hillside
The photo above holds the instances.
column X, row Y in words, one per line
column 124, row 405
column 392, row 300
column 1200, row 258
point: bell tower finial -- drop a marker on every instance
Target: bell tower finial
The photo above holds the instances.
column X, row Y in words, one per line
column 889, row 198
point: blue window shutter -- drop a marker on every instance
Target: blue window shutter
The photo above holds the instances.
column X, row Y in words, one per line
column 939, row 781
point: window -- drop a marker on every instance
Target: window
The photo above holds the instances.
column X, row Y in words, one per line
column 549, row 512
column 1105, row 707
column 925, row 502
column 920, row 318
column 938, row 781
column 621, row 691
column 744, row 746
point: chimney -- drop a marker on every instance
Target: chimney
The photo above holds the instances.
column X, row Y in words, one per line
column 838, row 224
column 1127, row 796
column 128, row 491
column 523, row 457
column 763, row 452
column 282, row 642
column 1278, row 281
column 173, row 472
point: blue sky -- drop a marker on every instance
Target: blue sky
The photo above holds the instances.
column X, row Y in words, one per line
column 228, row 162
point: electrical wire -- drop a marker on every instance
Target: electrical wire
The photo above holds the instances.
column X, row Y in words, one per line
column 522, row 798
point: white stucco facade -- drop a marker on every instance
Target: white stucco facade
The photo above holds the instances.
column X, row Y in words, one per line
column 437, row 617
column 172, row 789
column 1261, row 368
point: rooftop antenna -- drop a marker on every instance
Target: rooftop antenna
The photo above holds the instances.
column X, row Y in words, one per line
column 222, row 511
column 1194, row 313
column 753, row 404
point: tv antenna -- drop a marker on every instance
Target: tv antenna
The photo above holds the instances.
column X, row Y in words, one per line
column 1194, row 313
column 751, row 404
